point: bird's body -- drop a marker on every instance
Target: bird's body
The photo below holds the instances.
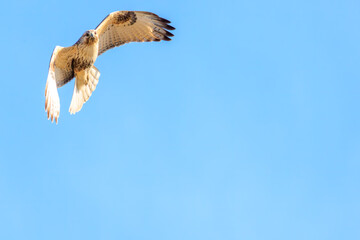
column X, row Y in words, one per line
column 78, row 60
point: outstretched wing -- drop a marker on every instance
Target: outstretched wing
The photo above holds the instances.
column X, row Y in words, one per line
column 131, row 26
column 60, row 72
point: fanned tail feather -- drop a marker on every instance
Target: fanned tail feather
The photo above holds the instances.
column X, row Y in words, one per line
column 85, row 84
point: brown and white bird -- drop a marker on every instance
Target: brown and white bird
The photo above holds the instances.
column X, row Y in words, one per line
column 78, row 60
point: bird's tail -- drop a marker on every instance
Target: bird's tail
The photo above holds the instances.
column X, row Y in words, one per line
column 85, row 84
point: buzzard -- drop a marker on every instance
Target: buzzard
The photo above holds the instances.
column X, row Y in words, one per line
column 78, row 60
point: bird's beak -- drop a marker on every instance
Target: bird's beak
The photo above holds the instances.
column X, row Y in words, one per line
column 92, row 35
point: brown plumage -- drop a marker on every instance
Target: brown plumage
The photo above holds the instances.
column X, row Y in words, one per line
column 78, row 60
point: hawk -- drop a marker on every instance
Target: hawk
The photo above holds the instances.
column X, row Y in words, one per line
column 78, row 60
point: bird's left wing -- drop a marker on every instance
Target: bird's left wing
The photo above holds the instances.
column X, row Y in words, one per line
column 60, row 72
column 131, row 26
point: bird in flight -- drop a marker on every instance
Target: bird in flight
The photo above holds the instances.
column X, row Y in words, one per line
column 78, row 60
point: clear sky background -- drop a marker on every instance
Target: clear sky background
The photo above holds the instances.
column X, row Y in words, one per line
column 245, row 126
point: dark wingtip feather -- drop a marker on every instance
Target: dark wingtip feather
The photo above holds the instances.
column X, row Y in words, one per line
column 164, row 20
column 168, row 27
column 166, row 38
column 169, row 34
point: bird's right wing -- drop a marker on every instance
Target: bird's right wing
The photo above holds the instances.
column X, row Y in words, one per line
column 131, row 26
column 60, row 72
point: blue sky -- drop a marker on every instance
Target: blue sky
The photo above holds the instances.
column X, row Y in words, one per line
column 245, row 126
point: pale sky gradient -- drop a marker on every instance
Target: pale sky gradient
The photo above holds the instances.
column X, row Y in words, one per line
column 245, row 126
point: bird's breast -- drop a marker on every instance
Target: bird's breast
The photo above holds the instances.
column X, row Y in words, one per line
column 85, row 57
column 89, row 51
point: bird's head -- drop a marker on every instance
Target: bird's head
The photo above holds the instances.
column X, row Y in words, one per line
column 89, row 37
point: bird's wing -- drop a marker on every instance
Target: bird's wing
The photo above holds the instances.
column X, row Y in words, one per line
column 131, row 26
column 60, row 72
